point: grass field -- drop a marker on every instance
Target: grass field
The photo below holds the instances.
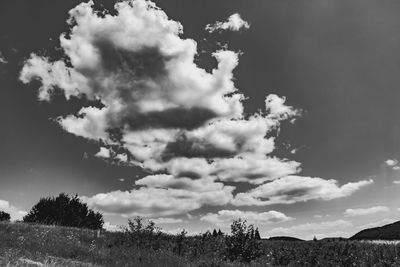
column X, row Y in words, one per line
column 36, row 245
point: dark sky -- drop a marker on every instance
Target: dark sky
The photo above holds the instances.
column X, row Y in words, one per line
column 337, row 61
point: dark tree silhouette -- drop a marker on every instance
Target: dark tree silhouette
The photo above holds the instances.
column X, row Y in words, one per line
column 220, row 232
column 4, row 216
column 65, row 211
column 257, row 234
column 215, row 234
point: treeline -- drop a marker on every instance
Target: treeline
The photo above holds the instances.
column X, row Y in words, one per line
column 62, row 210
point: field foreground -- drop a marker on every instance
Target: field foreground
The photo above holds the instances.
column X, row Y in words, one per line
column 35, row 245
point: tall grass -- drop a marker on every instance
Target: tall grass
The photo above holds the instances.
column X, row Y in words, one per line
column 37, row 245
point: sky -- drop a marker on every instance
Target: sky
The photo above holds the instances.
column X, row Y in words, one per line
column 196, row 113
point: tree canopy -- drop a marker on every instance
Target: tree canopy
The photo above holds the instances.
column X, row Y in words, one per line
column 65, row 211
column 4, row 216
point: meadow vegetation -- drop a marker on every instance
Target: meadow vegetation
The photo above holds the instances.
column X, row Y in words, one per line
column 144, row 244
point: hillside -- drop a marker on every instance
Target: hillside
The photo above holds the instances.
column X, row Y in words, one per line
column 386, row 232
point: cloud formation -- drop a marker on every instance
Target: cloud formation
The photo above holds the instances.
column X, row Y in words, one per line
column 162, row 112
column 291, row 189
column 233, row 23
column 163, row 195
column 225, row 217
column 365, row 211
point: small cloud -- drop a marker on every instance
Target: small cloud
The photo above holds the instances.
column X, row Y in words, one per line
column 112, row 227
column 319, row 216
column 103, row 153
column 391, row 162
column 3, row 59
column 396, row 182
column 366, row 211
column 233, row 23
column 15, row 213
column 121, row 180
column 396, row 168
column 225, row 217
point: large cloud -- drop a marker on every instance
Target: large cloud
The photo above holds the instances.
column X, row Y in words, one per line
column 160, row 111
column 163, row 195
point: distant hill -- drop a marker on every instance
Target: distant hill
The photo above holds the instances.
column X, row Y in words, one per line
column 386, row 232
column 284, row 238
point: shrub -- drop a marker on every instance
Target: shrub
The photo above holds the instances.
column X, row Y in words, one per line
column 4, row 216
column 65, row 211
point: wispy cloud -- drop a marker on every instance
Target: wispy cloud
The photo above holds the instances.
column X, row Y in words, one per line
column 3, row 59
column 376, row 224
column 293, row 189
column 224, row 217
column 365, row 211
column 162, row 220
column 233, row 23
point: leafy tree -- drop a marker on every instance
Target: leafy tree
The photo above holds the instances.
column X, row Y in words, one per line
column 241, row 244
column 65, row 211
column 4, row 216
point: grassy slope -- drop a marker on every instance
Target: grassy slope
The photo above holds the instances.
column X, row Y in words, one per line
column 23, row 245
column 35, row 245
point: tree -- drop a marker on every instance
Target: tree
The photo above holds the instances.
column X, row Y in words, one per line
column 242, row 244
column 65, row 211
column 215, row 234
column 143, row 233
column 257, row 234
column 220, row 232
column 4, row 216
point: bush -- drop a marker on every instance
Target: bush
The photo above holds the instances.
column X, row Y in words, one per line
column 4, row 216
column 65, row 211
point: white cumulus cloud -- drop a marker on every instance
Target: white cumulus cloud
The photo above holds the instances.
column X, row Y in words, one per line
column 162, row 112
column 233, row 23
